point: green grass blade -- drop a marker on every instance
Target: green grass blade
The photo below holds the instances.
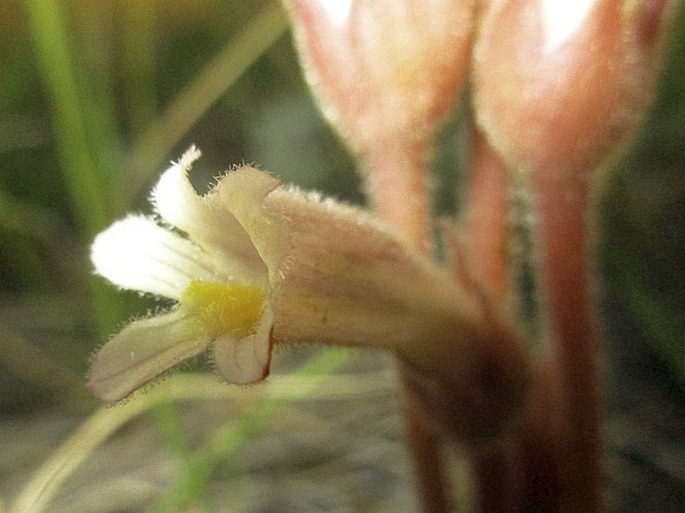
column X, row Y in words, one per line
column 206, row 88
column 76, row 159
column 41, row 488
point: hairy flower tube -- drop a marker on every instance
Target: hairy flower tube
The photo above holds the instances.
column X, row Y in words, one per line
column 253, row 263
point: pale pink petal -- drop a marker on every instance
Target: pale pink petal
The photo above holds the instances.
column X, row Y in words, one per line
column 205, row 220
column 141, row 352
column 246, row 360
column 242, row 192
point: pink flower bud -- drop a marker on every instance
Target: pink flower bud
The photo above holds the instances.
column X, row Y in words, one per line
column 384, row 70
column 560, row 84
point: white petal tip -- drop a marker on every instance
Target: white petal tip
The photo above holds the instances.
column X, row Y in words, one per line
column 190, row 156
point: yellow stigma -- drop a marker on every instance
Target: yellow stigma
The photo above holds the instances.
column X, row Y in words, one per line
column 225, row 308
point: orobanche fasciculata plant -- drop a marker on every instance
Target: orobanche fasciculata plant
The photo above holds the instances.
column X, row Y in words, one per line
column 556, row 88
column 252, row 264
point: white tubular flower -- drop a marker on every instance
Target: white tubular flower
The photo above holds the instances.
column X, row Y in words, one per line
column 252, row 263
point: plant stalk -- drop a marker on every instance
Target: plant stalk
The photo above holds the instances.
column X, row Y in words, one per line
column 398, row 187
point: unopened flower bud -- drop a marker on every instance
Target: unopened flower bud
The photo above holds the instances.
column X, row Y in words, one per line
column 384, row 70
column 561, row 84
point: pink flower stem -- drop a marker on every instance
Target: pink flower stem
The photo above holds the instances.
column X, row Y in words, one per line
column 562, row 207
column 399, row 189
column 496, row 473
column 550, row 460
column 487, row 222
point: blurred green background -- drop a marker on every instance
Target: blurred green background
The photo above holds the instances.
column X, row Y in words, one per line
column 96, row 97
